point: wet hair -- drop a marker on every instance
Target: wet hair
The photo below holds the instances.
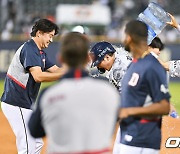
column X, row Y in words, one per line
column 137, row 30
column 74, row 49
column 156, row 43
column 45, row 26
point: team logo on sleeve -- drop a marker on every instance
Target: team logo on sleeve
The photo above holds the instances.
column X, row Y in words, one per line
column 164, row 89
column 134, row 79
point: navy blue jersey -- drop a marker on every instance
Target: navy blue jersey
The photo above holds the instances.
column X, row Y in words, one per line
column 143, row 84
column 20, row 88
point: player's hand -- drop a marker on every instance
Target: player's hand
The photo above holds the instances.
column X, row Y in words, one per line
column 173, row 21
column 123, row 113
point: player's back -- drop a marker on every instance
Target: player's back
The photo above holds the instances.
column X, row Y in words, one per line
column 79, row 115
column 143, row 84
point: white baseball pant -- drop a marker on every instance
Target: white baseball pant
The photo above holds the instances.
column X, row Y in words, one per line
column 126, row 149
column 18, row 119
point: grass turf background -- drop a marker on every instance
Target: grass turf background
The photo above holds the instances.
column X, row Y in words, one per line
column 173, row 86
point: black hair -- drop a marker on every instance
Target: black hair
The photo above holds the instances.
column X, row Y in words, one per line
column 45, row 26
column 156, row 43
column 137, row 30
column 74, row 49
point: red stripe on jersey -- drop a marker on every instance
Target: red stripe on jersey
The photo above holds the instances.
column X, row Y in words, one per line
column 134, row 60
column 41, row 52
column 143, row 121
column 77, row 74
column 104, row 151
column 16, row 81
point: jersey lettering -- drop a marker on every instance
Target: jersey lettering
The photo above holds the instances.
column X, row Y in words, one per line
column 134, row 79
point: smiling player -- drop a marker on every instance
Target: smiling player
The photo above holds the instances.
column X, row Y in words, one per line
column 29, row 67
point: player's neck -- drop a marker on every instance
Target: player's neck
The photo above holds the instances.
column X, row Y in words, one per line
column 139, row 50
column 36, row 40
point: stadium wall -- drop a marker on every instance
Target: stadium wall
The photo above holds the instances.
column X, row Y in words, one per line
column 8, row 48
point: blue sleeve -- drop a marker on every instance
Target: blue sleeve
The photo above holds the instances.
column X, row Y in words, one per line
column 158, row 86
column 48, row 63
column 35, row 122
column 29, row 57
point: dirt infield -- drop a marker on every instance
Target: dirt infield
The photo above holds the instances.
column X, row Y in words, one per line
column 7, row 138
column 170, row 128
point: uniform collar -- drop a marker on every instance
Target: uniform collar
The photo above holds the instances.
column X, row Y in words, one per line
column 155, row 55
column 134, row 60
column 76, row 74
column 35, row 45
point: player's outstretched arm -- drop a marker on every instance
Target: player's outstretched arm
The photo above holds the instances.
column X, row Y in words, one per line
column 173, row 22
column 40, row 76
column 172, row 66
column 56, row 69
column 164, row 64
column 159, row 108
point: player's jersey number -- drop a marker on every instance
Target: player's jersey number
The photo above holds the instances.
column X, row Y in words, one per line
column 134, row 79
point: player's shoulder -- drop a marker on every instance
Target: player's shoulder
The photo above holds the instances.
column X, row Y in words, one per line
column 152, row 62
column 122, row 60
column 150, row 58
column 122, row 54
column 30, row 45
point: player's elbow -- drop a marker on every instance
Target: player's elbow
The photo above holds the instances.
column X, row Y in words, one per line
column 167, row 110
column 166, row 107
column 37, row 79
column 37, row 74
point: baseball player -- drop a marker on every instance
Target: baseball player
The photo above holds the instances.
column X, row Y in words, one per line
column 79, row 112
column 155, row 49
column 29, row 67
column 115, row 61
column 145, row 96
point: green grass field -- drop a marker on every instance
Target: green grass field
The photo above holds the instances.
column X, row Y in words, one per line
column 174, row 90
column 175, row 94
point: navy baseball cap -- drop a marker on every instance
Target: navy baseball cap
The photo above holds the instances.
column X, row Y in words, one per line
column 99, row 50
